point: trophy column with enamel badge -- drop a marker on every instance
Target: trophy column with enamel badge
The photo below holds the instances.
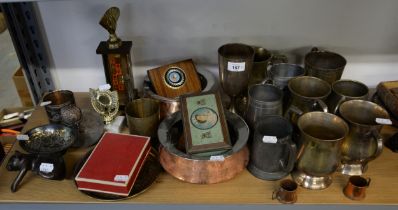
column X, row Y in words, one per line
column 117, row 58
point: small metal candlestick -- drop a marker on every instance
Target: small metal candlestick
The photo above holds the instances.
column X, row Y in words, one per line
column 116, row 58
column 106, row 103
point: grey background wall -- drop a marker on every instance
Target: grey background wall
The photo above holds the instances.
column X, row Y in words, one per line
column 164, row 31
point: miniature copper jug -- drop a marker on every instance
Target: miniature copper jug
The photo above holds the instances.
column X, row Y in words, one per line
column 356, row 188
column 364, row 142
column 287, row 192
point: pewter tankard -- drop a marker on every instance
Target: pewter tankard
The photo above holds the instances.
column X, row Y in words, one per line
column 321, row 136
column 364, row 142
column 273, row 152
column 263, row 100
column 345, row 90
column 280, row 74
column 307, row 94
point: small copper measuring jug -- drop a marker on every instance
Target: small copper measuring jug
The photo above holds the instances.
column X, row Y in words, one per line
column 287, row 192
column 356, row 187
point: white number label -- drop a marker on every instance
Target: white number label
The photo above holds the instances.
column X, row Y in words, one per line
column 217, row 158
column 45, row 103
column 22, row 137
column 384, row 121
column 270, row 139
column 232, row 66
column 104, row 87
column 121, row 178
column 46, row 167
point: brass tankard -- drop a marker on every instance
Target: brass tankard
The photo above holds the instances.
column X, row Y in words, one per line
column 320, row 149
column 364, row 142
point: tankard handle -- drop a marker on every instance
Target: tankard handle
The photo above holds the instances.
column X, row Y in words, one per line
column 275, row 59
column 293, row 110
column 315, row 49
column 321, row 104
column 341, row 100
column 268, row 81
column 379, row 141
column 292, row 156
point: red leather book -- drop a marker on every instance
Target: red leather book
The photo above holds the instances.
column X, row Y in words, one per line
column 114, row 164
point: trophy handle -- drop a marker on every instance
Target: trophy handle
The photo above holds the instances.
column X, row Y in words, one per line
column 379, row 141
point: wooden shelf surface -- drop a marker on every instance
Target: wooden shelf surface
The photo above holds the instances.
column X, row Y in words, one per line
column 243, row 189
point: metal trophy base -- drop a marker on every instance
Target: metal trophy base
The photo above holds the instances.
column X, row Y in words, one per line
column 353, row 169
column 311, row 182
column 270, row 176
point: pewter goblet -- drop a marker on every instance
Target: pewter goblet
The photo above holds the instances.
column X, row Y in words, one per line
column 235, row 65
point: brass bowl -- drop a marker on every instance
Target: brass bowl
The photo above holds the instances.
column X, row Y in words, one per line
column 204, row 169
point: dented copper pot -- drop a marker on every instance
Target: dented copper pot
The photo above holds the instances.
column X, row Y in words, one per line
column 205, row 168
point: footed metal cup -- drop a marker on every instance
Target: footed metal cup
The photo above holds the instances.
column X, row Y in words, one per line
column 321, row 136
column 364, row 142
column 235, row 66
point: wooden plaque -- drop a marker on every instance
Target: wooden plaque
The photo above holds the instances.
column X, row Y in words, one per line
column 205, row 126
column 175, row 79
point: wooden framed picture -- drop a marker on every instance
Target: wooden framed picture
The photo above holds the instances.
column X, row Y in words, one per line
column 175, row 79
column 205, row 125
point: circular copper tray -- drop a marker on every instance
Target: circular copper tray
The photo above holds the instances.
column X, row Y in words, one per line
column 147, row 176
column 200, row 169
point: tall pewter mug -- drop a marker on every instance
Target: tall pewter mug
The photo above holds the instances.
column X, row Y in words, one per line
column 273, row 152
column 364, row 142
column 325, row 65
column 308, row 94
column 321, row 136
column 263, row 100
column 345, row 90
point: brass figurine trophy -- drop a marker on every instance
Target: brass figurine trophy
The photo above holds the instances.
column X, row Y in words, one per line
column 116, row 58
column 105, row 102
